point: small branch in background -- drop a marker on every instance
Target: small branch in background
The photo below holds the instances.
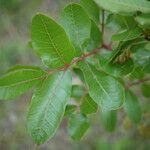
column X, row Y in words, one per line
column 108, row 47
column 137, row 82
column 103, row 25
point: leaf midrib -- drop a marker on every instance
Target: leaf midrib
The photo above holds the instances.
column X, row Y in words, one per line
column 41, row 122
column 22, row 82
column 95, row 77
column 60, row 55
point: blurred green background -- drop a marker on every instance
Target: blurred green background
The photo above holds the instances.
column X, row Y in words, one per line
column 15, row 21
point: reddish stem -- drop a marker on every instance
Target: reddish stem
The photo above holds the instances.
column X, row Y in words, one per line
column 78, row 59
column 108, row 47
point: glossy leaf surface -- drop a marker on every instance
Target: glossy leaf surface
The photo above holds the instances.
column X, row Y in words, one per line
column 51, row 42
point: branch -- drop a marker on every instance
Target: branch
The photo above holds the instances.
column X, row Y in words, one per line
column 108, row 47
column 137, row 82
column 78, row 59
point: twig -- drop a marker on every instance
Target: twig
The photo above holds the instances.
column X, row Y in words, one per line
column 78, row 59
column 137, row 82
column 108, row 47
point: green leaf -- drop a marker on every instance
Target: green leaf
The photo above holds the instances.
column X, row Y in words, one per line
column 77, row 126
column 127, row 34
column 77, row 91
column 70, row 109
column 137, row 73
column 146, row 90
column 125, row 6
column 18, row 80
column 51, row 42
column 79, row 73
column 88, row 105
column 19, row 67
column 107, row 92
column 122, row 69
column 121, row 22
column 116, row 69
column 144, row 20
column 108, row 119
column 48, row 106
column 147, row 46
column 124, row 48
column 140, row 44
column 92, row 9
column 77, row 24
column 142, row 57
column 95, row 37
column 132, row 107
